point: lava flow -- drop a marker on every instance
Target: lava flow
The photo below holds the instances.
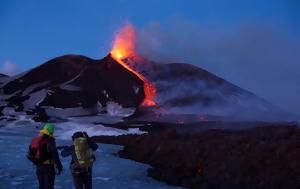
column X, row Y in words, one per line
column 123, row 47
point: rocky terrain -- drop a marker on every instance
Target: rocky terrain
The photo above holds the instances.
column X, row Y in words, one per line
column 265, row 156
column 192, row 135
column 83, row 86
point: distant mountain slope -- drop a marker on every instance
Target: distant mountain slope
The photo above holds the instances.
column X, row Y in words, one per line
column 185, row 88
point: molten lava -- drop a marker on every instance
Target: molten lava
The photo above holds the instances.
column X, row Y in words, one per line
column 123, row 47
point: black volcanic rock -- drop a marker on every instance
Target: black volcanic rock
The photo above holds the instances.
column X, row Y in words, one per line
column 75, row 81
column 256, row 158
column 53, row 72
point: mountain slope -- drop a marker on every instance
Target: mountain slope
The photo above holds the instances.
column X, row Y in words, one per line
column 185, row 88
column 74, row 81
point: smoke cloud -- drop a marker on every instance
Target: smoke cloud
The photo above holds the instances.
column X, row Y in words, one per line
column 9, row 68
column 258, row 57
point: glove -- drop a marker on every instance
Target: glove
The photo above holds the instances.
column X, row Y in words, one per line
column 59, row 169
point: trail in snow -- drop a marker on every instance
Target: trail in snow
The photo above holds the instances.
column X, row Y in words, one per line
column 110, row 171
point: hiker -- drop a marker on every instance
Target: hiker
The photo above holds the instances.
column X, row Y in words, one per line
column 82, row 159
column 43, row 153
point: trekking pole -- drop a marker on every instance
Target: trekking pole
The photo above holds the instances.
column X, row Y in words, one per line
column 61, row 147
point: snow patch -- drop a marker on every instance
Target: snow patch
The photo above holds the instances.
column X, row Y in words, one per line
column 102, row 178
column 33, row 87
column 67, row 112
column 100, row 118
column 8, row 111
column 115, row 109
column 35, row 99
column 14, row 183
column 9, row 79
column 65, row 130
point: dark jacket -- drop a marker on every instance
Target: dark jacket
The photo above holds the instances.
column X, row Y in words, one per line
column 52, row 151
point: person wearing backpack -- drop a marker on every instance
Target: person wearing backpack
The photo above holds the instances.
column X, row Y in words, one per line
column 82, row 152
column 43, row 153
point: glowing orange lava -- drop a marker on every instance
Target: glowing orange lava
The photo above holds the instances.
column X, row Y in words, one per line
column 123, row 47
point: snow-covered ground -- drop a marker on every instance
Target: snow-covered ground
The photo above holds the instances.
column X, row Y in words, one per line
column 110, row 171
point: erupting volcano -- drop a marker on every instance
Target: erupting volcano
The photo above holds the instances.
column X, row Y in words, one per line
column 86, row 86
column 123, row 47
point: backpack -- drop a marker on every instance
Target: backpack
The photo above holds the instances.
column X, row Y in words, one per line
column 84, row 153
column 38, row 150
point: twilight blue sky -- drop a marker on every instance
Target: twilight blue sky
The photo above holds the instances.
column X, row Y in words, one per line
column 252, row 43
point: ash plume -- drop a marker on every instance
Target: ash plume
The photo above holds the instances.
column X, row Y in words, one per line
column 261, row 58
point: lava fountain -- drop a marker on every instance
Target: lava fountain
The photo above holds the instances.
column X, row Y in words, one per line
column 123, row 47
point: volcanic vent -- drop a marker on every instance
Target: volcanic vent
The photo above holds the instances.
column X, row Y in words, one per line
column 76, row 81
column 123, row 47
